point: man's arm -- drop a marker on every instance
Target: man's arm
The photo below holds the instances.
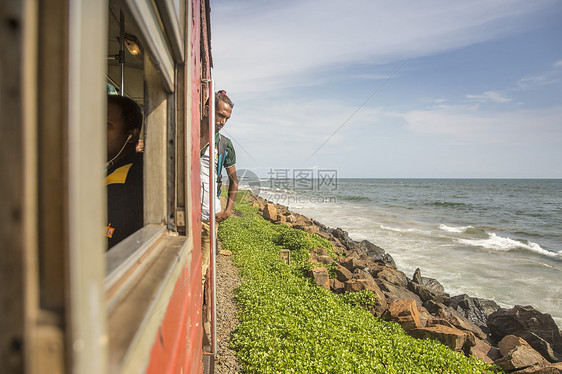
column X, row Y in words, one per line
column 232, row 191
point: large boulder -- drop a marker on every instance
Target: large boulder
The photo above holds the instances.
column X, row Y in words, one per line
column 520, row 357
column 371, row 249
column 426, row 293
column 538, row 329
column 342, row 273
column 355, row 285
column 425, row 316
column 321, row 259
column 475, row 309
column 461, row 323
column 542, row 369
column 387, row 258
column 454, row 338
column 270, row 212
column 483, row 351
column 336, row 286
column 394, row 292
column 320, row 276
column 362, row 274
column 353, row 262
column 405, row 313
column 392, row 275
column 344, row 238
column 510, row 342
column 311, row 229
column 430, row 283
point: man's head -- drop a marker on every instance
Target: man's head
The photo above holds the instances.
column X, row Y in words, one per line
column 223, row 110
column 124, row 122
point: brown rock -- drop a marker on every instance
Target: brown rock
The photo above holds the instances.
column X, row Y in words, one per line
column 311, row 229
column 439, row 322
column 425, row 316
column 473, row 308
column 510, row 342
column 355, row 285
column 393, row 276
column 454, row 318
column 430, row 283
column 362, row 274
column 336, row 242
column 339, row 250
column 394, row 292
column 303, row 221
column 343, row 274
column 291, row 219
column 270, row 212
column 538, row 329
column 336, row 286
column 521, row 357
column 322, row 259
column 319, row 251
column 324, row 235
column 350, row 262
column 404, row 312
column 483, row 351
column 460, row 322
column 542, row 369
column 426, row 293
column 320, row 276
column 452, row 337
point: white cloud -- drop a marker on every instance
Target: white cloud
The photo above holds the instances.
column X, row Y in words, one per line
column 269, row 53
column 490, row 96
column 515, row 127
column 542, row 79
column 532, row 81
column 285, row 133
column 270, row 45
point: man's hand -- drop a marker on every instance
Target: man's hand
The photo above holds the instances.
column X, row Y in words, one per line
column 232, row 190
column 223, row 215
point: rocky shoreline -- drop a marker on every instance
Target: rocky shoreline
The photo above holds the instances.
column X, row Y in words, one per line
column 519, row 340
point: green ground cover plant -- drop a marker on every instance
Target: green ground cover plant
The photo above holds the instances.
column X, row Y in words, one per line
column 290, row 325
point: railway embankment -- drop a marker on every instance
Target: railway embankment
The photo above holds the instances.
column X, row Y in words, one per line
column 520, row 339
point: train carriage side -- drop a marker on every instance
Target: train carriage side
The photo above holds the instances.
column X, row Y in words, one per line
column 67, row 304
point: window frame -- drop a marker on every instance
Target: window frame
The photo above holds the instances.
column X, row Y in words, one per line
column 143, row 269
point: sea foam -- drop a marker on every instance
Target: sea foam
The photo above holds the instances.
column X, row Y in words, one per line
column 399, row 229
column 499, row 243
column 454, row 229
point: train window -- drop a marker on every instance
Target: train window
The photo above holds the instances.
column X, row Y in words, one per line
column 125, row 89
column 145, row 47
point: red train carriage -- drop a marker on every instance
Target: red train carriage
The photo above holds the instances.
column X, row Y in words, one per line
column 66, row 304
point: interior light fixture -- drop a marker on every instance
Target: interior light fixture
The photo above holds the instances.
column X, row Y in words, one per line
column 132, row 45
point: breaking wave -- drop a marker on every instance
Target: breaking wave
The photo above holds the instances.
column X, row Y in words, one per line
column 501, row 244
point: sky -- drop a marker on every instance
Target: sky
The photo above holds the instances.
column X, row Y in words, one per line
column 393, row 89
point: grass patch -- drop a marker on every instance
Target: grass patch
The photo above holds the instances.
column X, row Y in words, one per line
column 290, row 325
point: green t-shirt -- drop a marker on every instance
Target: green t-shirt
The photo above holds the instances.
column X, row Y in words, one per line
column 230, row 158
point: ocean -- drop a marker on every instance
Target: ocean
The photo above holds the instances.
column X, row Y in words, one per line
column 498, row 239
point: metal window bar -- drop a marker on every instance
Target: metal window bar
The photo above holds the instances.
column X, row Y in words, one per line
column 212, row 199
